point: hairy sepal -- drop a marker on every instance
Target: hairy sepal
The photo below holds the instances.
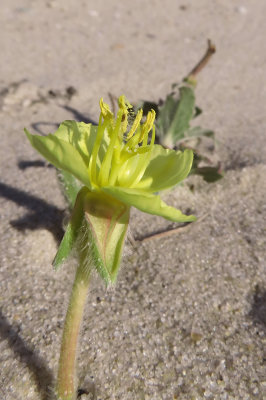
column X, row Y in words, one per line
column 72, row 231
column 107, row 220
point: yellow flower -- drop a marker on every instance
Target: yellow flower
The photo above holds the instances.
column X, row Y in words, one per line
column 119, row 166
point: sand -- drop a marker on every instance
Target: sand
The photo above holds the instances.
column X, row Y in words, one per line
column 187, row 317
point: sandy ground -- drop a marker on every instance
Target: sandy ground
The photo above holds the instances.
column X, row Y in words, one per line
column 187, row 318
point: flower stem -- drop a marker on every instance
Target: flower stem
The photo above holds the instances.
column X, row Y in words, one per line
column 66, row 387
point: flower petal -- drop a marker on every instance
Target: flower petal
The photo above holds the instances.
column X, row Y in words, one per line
column 80, row 135
column 166, row 169
column 61, row 154
column 148, row 202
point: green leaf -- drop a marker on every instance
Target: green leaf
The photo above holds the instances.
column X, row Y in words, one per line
column 148, row 203
column 165, row 117
column 72, row 230
column 197, row 131
column 175, row 115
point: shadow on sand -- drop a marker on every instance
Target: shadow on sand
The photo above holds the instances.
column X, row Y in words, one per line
column 25, row 354
column 258, row 307
column 41, row 215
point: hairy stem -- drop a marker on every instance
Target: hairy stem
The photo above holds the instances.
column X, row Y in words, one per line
column 66, row 388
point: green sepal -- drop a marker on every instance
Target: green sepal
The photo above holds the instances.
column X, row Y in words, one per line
column 107, row 221
column 72, row 230
column 70, row 186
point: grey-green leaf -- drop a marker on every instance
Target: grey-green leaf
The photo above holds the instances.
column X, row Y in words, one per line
column 197, row 131
column 175, row 115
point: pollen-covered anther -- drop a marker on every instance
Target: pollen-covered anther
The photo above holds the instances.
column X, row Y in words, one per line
column 135, row 124
column 124, row 107
column 147, row 126
column 105, row 110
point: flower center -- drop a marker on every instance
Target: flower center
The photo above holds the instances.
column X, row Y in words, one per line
column 128, row 152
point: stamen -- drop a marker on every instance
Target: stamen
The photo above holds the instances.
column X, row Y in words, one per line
column 135, row 124
column 106, row 164
column 133, row 142
column 118, row 167
column 96, row 147
column 146, row 127
column 105, row 110
column 124, row 106
column 152, row 137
